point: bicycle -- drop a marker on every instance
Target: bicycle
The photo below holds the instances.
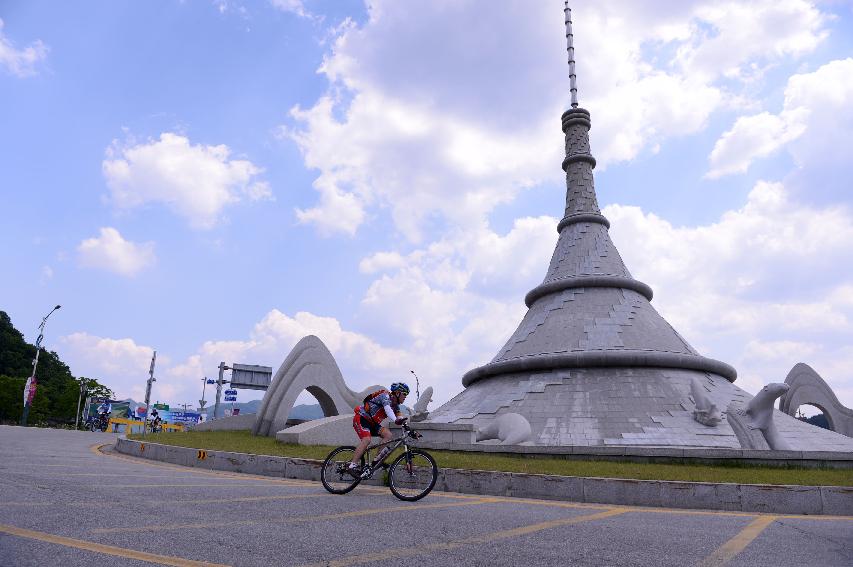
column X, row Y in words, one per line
column 411, row 476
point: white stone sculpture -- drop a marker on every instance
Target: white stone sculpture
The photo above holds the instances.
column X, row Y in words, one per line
column 309, row 366
column 706, row 412
column 807, row 387
column 758, row 415
column 419, row 412
column 509, row 428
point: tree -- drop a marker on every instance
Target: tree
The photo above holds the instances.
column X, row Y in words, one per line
column 11, row 399
column 58, row 390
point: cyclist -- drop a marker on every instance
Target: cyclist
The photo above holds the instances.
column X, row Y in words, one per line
column 104, row 411
column 155, row 420
column 368, row 419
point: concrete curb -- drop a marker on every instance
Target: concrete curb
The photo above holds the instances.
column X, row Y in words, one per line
column 775, row 499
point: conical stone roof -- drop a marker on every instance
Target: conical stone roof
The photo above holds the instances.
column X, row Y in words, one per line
column 589, row 311
column 592, row 363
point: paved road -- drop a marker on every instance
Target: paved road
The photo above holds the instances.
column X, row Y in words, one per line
column 64, row 502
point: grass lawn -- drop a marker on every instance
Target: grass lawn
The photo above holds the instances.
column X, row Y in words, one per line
column 245, row 442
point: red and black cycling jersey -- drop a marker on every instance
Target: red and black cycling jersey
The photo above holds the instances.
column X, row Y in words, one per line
column 374, row 406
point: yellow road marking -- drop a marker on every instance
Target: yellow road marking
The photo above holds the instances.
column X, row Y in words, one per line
column 23, row 465
column 106, row 549
column 382, row 510
column 221, row 524
column 728, row 550
column 145, row 475
column 212, row 484
column 92, row 504
column 474, row 540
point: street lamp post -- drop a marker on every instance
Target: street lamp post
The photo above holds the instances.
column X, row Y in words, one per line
column 151, row 379
column 219, row 383
column 30, row 387
column 201, row 402
column 80, row 399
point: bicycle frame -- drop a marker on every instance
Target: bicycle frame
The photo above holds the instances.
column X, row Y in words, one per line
column 397, row 441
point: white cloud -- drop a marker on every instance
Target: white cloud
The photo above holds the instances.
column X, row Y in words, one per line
column 753, row 137
column 381, row 261
column 765, row 287
column 20, row 62
column 816, row 123
column 362, row 360
column 120, row 364
column 743, row 289
column 46, row 274
column 454, row 112
column 195, row 181
column 296, row 7
column 745, row 35
column 111, row 252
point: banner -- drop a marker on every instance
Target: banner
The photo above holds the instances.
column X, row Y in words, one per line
column 185, row 417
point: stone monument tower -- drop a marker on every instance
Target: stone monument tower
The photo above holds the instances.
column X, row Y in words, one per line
column 593, row 363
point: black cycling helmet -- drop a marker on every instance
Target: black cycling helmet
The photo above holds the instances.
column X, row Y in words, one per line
column 400, row 387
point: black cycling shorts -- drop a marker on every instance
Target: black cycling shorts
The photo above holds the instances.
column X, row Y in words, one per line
column 363, row 426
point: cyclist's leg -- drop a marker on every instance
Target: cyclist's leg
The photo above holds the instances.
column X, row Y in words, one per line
column 363, row 439
column 386, row 436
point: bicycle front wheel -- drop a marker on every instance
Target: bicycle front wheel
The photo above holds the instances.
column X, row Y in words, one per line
column 412, row 475
column 335, row 475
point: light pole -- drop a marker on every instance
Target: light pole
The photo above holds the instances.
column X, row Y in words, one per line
column 80, row 399
column 30, row 387
column 219, row 383
column 151, row 379
column 201, row 402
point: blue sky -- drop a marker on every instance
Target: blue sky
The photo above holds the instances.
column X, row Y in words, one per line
column 217, row 179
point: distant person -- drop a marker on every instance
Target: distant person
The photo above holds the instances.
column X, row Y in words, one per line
column 155, row 420
column 368, row 418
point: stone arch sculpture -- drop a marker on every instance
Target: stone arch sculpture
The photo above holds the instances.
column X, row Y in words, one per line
column 309, row 366
column 807, row 387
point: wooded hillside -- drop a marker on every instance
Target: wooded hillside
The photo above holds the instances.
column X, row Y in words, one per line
column 58, row 389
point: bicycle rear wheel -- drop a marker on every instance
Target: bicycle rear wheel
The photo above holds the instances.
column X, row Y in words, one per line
column 334, row 474
column 412, row 475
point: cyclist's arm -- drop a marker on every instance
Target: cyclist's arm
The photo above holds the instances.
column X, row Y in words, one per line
column 392, row 415
column 389, row 412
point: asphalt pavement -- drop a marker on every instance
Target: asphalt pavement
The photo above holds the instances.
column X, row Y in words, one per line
column 66, row 499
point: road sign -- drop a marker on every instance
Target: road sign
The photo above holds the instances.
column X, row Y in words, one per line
column 251, row 376
column 162, row 407
column 230, row 398
column 201, row 403
column 211, row 381
column 230, row 392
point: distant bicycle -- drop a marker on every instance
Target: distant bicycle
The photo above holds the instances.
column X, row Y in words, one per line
column 98, row 423
column 411, row 476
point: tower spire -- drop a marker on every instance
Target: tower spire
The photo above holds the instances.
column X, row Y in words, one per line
column 589, row 311
column 573, row 80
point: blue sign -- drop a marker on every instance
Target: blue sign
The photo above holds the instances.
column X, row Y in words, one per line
column 211, row 381
column 230, row 398
column 184, row 417
column 230, row 392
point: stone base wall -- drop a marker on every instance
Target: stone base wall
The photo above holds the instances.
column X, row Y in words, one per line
column 775, row 499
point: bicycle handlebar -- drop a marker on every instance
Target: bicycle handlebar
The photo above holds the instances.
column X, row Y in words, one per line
column 410, row 432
